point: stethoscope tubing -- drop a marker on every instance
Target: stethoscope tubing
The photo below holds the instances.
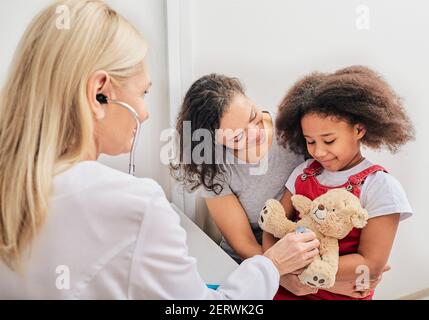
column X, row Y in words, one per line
column 132, row 164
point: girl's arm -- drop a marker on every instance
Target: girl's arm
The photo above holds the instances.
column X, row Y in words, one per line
column 232, row 221
column 374, row 249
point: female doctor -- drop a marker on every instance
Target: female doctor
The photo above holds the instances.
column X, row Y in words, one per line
column 70, row 227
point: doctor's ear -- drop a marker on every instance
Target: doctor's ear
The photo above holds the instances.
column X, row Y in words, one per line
column 98, row 88
column 102, row 99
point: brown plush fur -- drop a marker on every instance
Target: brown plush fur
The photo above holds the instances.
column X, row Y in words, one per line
column 331, row 217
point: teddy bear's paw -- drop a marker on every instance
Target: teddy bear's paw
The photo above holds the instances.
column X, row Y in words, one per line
column 271, row 216
column 318, row 275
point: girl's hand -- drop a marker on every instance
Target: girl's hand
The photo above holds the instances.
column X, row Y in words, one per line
column 293, row 252
column 291, row 283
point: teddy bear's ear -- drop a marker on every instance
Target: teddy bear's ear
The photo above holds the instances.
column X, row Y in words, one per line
column 301, row 204
column 360, row 218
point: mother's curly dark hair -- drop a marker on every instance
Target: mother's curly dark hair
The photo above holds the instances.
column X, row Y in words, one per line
column 355, row 94
column 203, row 107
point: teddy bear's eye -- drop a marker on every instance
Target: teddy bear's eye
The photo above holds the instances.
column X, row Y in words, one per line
column 333, row 210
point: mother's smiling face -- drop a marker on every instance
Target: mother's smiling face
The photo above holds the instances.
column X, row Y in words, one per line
column 240, row 124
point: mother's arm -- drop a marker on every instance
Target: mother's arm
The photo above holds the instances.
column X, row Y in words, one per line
column 232, row 221
column 374, row 249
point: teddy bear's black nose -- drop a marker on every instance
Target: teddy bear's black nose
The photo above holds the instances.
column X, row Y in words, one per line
column 321, row 207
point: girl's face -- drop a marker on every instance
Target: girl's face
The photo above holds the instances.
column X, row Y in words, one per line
column 240, row 125
column 332, row 142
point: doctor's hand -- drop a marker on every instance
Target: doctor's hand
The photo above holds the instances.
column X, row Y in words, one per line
column 293, row 252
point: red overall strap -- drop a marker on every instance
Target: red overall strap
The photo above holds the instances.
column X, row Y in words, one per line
column 359, row 178
column 313, row 169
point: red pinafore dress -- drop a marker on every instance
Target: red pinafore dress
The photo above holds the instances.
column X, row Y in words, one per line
column 307, row 185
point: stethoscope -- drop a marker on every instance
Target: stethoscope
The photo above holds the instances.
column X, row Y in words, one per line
column 101, row 98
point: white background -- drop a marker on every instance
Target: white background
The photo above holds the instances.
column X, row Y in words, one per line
column 269, row 45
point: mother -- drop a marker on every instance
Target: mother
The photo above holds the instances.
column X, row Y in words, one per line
column 109, row 235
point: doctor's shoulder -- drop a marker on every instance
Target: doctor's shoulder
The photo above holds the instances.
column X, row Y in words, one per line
column 132, row 193
column 111, row 192
column 127, row 184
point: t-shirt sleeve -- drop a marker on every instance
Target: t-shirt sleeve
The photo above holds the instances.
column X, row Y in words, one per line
column 382, row 194
column 290, row 183
column 162, row 269
column 222, row 180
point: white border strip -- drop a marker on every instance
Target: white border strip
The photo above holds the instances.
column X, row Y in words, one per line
column 179, row 37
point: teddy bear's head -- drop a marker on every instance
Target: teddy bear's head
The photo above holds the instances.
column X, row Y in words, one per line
column 336, row 212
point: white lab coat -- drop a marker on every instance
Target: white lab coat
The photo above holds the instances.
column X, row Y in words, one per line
column 112, row 236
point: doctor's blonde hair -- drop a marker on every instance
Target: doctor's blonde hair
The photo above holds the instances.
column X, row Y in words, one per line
column 46, row 123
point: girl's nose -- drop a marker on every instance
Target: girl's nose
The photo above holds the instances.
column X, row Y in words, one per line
column 319, row 152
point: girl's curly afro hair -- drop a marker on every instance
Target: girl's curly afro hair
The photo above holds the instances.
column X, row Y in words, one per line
column 355, row 94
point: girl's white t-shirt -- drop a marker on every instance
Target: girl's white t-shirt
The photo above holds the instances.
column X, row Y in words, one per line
column 381, row 193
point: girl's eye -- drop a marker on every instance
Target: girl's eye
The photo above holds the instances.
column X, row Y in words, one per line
column 311, row 142
column 330, row 142
column 239, row 137
column 145, row 93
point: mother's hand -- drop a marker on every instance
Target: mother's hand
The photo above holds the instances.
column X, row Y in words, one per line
column 348, row 288
column 293, row 252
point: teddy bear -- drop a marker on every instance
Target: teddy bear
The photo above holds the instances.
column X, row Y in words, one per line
column 330, row 216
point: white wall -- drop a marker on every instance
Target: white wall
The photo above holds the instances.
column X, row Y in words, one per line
column 149, row 17
column 270, row 44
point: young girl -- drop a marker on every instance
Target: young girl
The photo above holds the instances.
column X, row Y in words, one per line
column 327, row 117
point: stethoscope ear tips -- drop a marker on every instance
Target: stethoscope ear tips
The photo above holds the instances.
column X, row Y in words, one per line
column 101, row 98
